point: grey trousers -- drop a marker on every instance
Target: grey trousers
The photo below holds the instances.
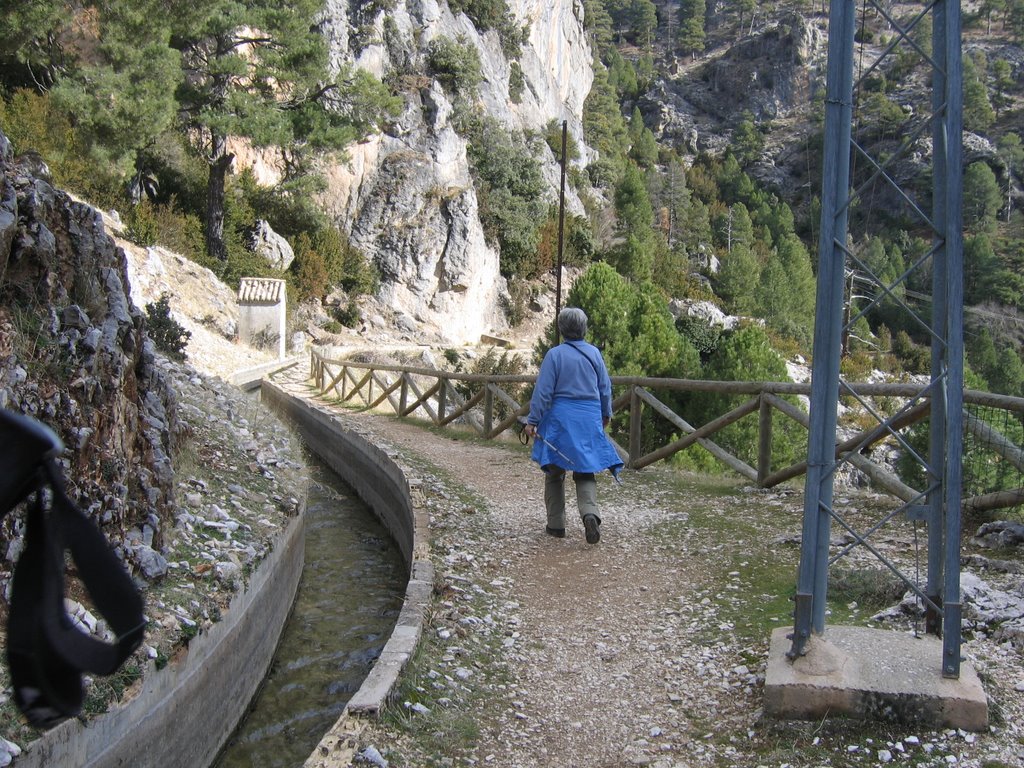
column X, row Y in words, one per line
column 554, row 495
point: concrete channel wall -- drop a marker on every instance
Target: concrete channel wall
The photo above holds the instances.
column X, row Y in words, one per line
column 186, row 711
column 394, row 495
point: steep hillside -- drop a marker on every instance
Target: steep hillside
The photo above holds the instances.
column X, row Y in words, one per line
column 407, row 197
column 158, row 455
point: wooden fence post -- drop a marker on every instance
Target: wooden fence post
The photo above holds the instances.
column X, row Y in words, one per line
column 764, row 440
column 636, row 397
column 442, row 399
column 635, row 411
column 488, row 409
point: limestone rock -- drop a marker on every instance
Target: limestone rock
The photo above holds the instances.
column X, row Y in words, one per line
column 406, row 197
column 97, row 387
column 269, row 245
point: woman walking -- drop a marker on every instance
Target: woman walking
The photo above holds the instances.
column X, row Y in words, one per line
column 569, row 410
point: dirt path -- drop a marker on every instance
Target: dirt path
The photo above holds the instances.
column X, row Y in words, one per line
column 592, row 646
column 648, row 648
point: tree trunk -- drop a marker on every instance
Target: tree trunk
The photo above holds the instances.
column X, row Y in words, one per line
column 220, row 161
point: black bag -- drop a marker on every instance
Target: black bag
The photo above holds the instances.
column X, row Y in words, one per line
column 46, row 653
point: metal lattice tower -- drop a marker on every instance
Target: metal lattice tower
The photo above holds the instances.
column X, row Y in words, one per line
column 938, row 503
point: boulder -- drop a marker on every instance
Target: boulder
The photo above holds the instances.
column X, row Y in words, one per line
column 272, row 247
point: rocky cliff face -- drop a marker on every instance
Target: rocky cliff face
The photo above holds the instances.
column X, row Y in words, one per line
column 74, row 354
column 406, row 196
column 770, row 74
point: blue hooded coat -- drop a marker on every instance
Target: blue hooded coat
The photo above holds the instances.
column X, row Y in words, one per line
column 570, row 403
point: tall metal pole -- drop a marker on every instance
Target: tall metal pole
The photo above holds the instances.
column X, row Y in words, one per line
column 953, row 292
column 943, row 470
column 809, row 611
column 561, row 232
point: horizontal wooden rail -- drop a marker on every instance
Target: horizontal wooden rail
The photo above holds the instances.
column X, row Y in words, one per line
column 494, row 404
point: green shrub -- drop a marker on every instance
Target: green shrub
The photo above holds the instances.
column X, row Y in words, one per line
column 703, row 335
column 518, row 299
column 494, row 14
column 913, row 358
column 140, row 226
column 553, row 138
column 516, row 83
column 33, row 123
column 746, row 354
column 455, row 63
column 348, row 315
column 309, row 270
column 602, row 172
column 347, row 266
column 871, row 588
column 491, row 364
column 168, row 335
column 178, row 231
column 510, row 192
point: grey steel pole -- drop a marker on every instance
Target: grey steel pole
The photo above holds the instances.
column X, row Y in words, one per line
column 953, row 145
column 812, row 581
column 939, row 349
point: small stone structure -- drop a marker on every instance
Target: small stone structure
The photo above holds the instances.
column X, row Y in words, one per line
column 261, row 312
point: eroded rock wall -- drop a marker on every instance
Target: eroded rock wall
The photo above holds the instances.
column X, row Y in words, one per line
column 406, row 197
column 74, row 355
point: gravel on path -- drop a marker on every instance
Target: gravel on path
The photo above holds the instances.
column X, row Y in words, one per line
column 648, row 648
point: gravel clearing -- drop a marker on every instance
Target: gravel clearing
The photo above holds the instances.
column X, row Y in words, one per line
column 648, row 648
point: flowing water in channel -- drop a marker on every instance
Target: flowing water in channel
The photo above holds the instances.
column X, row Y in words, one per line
column 349, row 597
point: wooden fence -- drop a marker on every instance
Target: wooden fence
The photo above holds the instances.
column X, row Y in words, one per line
column 493, row 408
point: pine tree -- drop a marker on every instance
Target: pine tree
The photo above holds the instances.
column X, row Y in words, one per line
column 691, row 26
column 785, row 291
column 606, row 297
column 258, row 71
column 982, row 354
column 603, row 125
column 738, row 275
column 599, row 25
column 122, row 94
column 644, row 149
column 978, row 112
column 746, row 354
column 982, row 197
column 32, row 37
column 658, row 348
column 644, row 20
column 981, row 269
column 1008, row 376
column 632, row 203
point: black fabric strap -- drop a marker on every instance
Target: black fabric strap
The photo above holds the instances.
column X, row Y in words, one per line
column 47, row 689
column 46, row 652
column 110, row 587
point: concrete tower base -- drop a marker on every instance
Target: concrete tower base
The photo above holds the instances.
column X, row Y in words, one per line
column 877, row 674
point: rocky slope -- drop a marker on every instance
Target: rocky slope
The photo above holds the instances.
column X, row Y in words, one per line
column 405, row 196
column 188, row 478
column 75, row 354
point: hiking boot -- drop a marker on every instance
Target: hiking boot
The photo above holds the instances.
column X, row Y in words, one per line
column 593, row 529
column 558, row 533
